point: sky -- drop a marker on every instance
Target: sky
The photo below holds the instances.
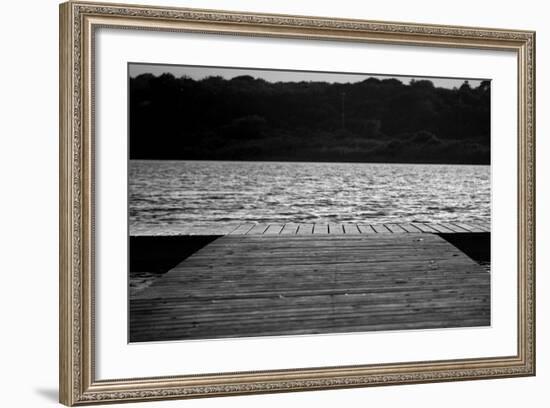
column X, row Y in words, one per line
column 200, row 72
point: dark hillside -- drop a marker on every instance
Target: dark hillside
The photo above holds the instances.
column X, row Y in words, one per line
column 251, row 119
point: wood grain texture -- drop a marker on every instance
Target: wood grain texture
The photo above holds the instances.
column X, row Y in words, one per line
column 256, row 285
column 332, row 228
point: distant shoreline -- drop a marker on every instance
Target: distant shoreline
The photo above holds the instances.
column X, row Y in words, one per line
column 308, row 162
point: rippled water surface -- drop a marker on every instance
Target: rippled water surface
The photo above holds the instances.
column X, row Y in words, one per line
column 169, row 194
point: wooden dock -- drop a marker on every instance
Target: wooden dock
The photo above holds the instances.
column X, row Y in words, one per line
column 279, row 281
column 289, row 229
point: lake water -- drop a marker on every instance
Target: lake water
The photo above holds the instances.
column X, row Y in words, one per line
column 169, row 194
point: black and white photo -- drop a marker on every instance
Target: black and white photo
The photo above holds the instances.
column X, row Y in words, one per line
column 269, row 202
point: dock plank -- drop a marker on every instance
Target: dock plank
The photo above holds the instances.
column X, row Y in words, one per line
column 478, row 227
column 380, row 228
column 395, row 228
column 320, row 228
column 334, row 228
column 290, row 229
column 242, row 229
column 486, row 225
column 424, row 227
column 439, row 228
column 351, row 229
column 469, row 227
column 273, row 229
column 305, row 229
column 366, row 229
column 258, row 229
column 409, row 227
column 261, row 284
column 453, row 227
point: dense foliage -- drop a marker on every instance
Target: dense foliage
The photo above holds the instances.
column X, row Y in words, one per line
column 251, row 119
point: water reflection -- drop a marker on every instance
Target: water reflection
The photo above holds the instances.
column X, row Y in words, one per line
column 172, row 193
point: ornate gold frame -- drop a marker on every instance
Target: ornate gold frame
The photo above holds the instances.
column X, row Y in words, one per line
column 78, row 21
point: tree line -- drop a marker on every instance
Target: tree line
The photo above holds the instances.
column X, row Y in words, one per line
column 247, row 118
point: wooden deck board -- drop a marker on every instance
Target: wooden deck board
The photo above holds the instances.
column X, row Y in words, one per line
column 255, row 285
column 453, row 227
column 258, row 229
column 351, row 229
column 424, row 227
column 321, row 228
column 410, row 227
column 439, row 228
column 469, row 227
column 335, row 228
column 273, row 229
column 395, row 228
column 366, row 229
column 380, row 228
column 242, row 229
column 478, row 227
column 290, row 229
column 305, row 229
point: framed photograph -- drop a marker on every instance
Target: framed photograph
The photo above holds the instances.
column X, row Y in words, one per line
column 260, row 203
